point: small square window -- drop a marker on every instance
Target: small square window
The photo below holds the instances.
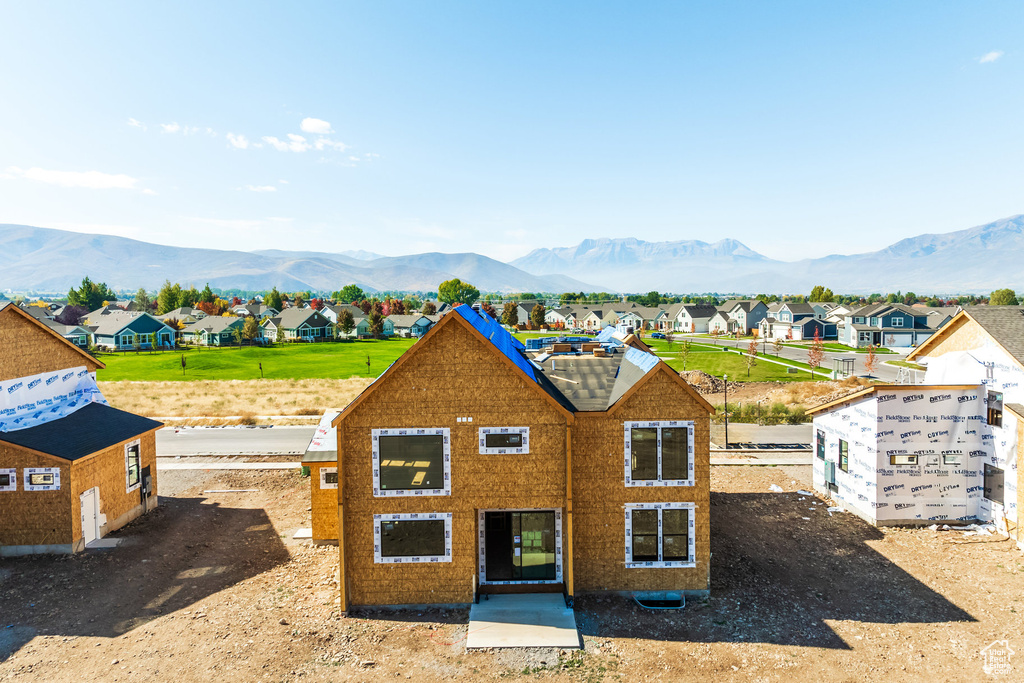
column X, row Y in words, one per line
column 42, row 478
column 328, row 477
column 8, row 479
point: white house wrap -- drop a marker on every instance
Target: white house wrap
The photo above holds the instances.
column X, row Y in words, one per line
column 37, row 399
column 913, row 454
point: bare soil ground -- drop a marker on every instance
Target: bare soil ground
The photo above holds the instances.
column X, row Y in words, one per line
column 208, row 398
column 212, row 587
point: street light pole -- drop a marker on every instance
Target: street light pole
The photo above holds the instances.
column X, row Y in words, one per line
column 726, row 378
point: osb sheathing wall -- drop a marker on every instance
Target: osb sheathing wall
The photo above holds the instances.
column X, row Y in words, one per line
column 1019, row 534
column 454, row 375
column 34, row 517
column 28, row 349
column 106, row 470
column 324, row 504
column 600, row 493
column 968, row 335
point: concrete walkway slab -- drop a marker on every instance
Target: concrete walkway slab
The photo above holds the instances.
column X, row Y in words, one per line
column 522, row 620
column 228, row 465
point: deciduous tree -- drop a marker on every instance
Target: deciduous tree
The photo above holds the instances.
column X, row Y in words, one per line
column 456, row 291
column 346, row 323
column 350, row 294
column 1003, row 297
column 273, row 299
column 537, row 316
column 71, row 315
column 428, row 308
column 871, row 360
column 376, row 323
column 750, row 360
column 510, row 314
column 142, row 299
column 684, row 351
column 816, row 354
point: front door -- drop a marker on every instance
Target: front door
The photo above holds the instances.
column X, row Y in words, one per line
column 90, row 512
column 519, row 545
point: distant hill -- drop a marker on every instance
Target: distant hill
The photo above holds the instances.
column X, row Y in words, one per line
column 44, row 259
column 978, row 259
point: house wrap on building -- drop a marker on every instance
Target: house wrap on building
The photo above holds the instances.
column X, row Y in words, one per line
column 945, row 450
column 468, row 467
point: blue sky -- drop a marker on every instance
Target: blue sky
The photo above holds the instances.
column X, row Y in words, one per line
column 800, row 129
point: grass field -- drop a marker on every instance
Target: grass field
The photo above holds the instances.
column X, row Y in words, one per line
column 327, row 360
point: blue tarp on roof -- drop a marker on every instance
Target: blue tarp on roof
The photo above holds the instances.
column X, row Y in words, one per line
column 500, row 337
column 643, row 360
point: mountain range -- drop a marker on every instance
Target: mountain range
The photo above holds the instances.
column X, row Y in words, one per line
column 978, row 259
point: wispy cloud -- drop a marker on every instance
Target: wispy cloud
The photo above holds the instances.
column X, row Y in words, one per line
column 283, row 181
column 316, row 126
column 93, row 180
column 238, row 141
column 294, row 143
column 261, row 188
column 170, row 127
column 136, row 123
column 990, row 57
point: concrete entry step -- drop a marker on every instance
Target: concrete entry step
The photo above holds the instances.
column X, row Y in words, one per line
column 522, row 620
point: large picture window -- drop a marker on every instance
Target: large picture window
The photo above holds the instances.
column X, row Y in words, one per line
column 659, row 453
column 132, row 465
column 401, row 538
column 502, row 440
column 660, row 535
column 411, row 462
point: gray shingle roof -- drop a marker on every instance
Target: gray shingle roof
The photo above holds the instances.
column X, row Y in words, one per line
column 112, row 323
column 85, row 431
column 1004, row 323
column 214, row 324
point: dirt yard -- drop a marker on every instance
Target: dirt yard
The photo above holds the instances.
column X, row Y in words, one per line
column 212, row 587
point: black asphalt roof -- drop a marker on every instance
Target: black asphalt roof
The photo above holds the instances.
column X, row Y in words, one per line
column 83, row 432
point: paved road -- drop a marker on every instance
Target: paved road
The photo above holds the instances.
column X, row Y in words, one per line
column 883, row 372
column 179, row 441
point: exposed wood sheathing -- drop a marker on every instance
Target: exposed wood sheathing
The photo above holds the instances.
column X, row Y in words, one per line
column 106, row 470
column 600, row 494
column 30, row 347
column 35, row 517
column 324, row 504
column 455, row 375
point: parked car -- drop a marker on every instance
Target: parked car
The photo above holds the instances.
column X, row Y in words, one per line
column 657, row 335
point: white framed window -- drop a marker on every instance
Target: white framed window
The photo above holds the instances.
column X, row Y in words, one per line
column 896, row 322
column 328, row 477
column 8, row 479
column 416, row 537
column 660, row 535
column 133, row 465
column 412, row 461
column 503, row 440
column 659, row 453
column 42, row 479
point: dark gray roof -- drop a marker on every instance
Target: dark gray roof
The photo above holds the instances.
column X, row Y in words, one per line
column 112, row 323
column 700, row 310
column 83, row 432
column 406, row 320
column 292, row 318
column 799, row 309
column 1004, row 323
column 214, row 324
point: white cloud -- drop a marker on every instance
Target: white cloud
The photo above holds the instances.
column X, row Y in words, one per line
column 261, row 188
column 136, row 123
column 211, row 132
column 283, row 182
column 990, row 56
column 353, row 158
column 170, row 127
column 295, row 143
column 238, row 141
column 316, row 126
column 93, row 180
column 326, row 143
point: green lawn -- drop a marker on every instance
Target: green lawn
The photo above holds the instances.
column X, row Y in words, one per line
column 328, row 360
